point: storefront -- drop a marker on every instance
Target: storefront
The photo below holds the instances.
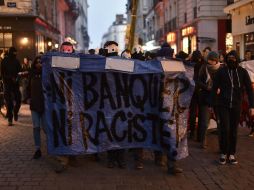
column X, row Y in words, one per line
column 189, row 39
column 27, row 35
column 171, row 39
column 242, row 13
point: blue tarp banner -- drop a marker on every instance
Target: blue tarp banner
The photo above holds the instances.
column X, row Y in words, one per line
column 91, row 109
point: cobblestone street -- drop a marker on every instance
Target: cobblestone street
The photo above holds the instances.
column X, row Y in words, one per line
column 201, row 170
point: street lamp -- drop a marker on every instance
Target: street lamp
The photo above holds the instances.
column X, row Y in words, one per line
column 49, row 43
column 24, row 41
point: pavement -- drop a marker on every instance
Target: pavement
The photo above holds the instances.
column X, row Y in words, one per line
column 18, row 171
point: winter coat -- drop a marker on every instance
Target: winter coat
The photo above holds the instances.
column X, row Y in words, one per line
column 36, row 92
column 10, row 68
column 204, row 84
column 232, row 83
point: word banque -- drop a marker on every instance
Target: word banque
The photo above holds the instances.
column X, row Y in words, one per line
column 89, row 112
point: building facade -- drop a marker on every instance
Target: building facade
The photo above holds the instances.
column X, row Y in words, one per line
column 186, row 24
column 117, row 32
column 193, row 24
column 34, row 26
column 81, row 25
column 242, row 14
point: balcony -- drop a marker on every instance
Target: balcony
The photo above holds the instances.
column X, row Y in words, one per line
column 74, row 6
column 229, row 2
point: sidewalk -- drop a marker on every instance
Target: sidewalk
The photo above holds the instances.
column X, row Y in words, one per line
column 201, row 171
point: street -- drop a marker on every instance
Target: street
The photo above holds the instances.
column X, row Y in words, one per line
column 201, row 170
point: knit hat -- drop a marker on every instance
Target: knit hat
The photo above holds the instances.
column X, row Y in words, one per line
column 212, row 56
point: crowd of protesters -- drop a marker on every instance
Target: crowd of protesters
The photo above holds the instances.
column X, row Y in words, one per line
column 220, row 83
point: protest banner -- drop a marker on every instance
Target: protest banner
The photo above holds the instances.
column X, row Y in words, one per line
column 95, row 108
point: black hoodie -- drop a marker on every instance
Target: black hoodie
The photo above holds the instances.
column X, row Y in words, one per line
column 10, row 68
column 232, row 82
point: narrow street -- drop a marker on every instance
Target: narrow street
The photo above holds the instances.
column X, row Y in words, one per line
column 201, row 171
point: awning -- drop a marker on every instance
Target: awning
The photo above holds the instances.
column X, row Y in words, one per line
column 236, row 5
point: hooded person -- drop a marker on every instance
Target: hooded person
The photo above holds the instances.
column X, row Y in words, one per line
column 138, row 53
column 166, row 51
column 114, row 156
column 10, row 70
column 204, row 83
column 231, row 81
column 111, row 48
column 197, row 61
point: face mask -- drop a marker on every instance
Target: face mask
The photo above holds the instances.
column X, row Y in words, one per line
column 232, row 64
column 67, row 49
column 112, row 54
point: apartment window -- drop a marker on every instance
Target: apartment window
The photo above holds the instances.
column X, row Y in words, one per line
column 1, row 2
column 185, row 17
column 230, row 2
column 5, row 41
column 195, row 12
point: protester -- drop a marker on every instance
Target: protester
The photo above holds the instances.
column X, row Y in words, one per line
column 138, row 53
column 36, row 103
column 149, row 56
column 204, row 83
column 10, row 72
column 245, row 114
column 206, row 52
column 230, row 80
column 25, row 68
column 91, row 51
column 247, row 55
column 65, row 161
column 221, row 58
column 114, row 156
column 126, row 54
column 166, row 52
column 197, row 61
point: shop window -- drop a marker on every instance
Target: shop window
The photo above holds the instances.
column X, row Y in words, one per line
column 229, row 42
column 5, row 41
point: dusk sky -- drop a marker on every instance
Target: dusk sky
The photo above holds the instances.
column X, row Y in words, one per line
column 101, row 14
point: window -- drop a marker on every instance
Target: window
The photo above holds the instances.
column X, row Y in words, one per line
column 5, row 41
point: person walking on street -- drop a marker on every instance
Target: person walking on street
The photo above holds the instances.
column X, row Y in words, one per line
column 231, row 80
column 10, row 72
column 25, row 68
column 36, row 103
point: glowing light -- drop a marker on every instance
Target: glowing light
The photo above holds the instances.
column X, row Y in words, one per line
column 24, row 41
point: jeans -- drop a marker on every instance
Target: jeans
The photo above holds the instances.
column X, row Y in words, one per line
column 38, row 120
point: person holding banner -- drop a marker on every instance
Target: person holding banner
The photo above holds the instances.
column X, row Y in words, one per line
column 65, row 161
column 114, row 156
column 231, row 80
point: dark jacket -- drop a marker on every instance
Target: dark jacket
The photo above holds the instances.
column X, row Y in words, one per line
column 10, row 68
column 204, row 85
column 36, row 91
column 231, row 95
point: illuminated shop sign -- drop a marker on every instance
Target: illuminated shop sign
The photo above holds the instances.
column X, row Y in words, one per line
column 171, row 37
column 187, row 31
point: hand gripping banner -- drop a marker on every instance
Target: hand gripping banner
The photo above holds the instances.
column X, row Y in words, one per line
column 94, row 105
